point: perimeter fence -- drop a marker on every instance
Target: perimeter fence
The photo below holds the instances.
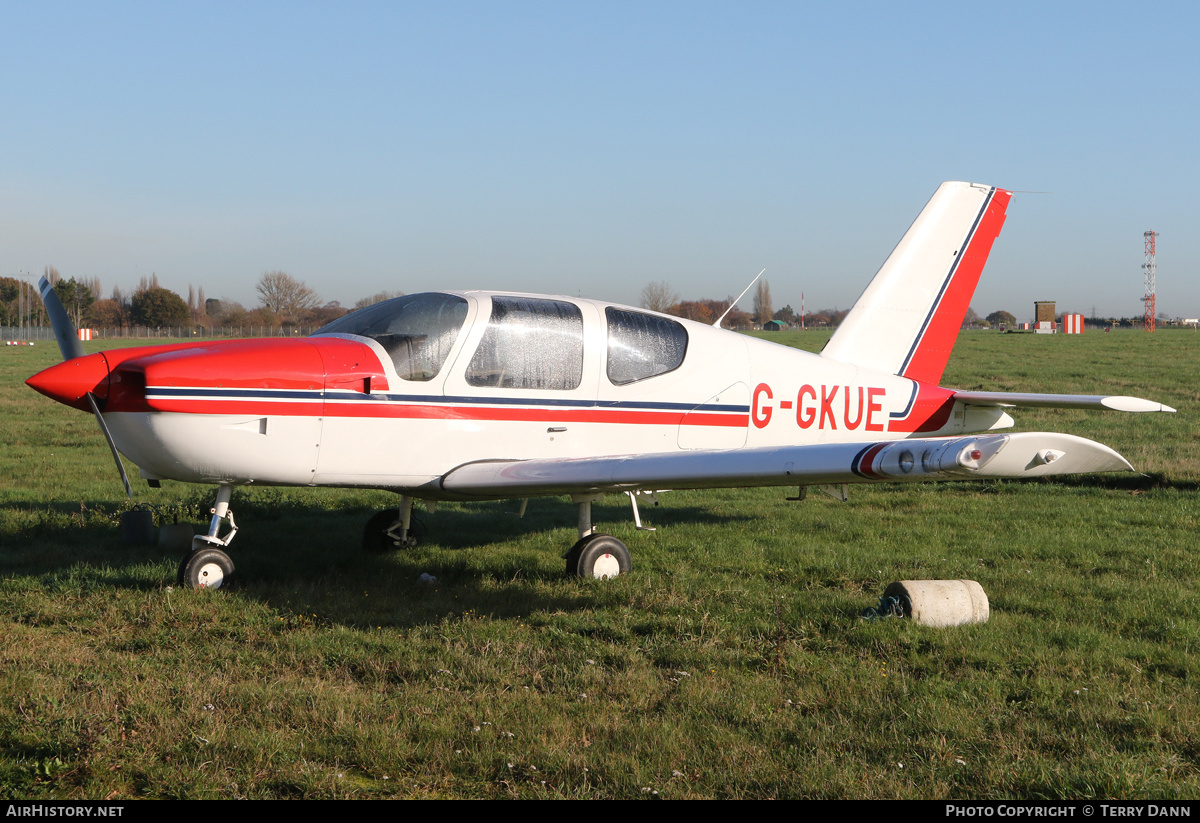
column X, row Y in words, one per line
column 34, row 333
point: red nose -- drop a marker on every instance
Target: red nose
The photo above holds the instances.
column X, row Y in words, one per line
column 70, row 381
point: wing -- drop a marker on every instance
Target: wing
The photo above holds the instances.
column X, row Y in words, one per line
column 1060, row 401
column 1027, row 454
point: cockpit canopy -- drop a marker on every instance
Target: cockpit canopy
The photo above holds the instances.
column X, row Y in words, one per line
column 529, row 343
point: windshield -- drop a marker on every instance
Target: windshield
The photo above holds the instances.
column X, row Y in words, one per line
column 417, row 330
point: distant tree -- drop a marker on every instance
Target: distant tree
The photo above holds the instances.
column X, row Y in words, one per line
column 762, row 302
column 227, row 312
column 286, row 296
column 787, row 315
column 998, row 317
column 322, row 315
column 693, row 310
column 737, row 319
column 10, row 288
column 971, row 318
column 825, row 317
column 659, row 296
column 158, row 308
column 378, row 297
column 262, row 316
column 147, row 283
column 75, row 297
column 10, row 301
column 106, row 314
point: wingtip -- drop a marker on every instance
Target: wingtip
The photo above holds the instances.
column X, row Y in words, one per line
column 1134, row 404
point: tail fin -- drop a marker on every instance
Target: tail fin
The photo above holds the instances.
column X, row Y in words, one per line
column 908, row 318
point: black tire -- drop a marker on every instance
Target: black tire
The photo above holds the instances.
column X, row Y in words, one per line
column 207, row 569
column 375, row 538
column 598, row 556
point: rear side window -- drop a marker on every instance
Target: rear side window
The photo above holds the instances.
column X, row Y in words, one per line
column 416, row 330
column 530, row 344
column 641, row 346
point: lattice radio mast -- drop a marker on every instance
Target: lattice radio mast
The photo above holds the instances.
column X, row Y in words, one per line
column 1150, row 267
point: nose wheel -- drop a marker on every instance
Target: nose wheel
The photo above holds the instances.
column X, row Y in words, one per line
column 207, row 568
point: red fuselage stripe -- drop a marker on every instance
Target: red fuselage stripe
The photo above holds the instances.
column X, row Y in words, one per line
column 435, row 412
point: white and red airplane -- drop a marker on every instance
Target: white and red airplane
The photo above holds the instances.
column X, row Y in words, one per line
column 490, row 395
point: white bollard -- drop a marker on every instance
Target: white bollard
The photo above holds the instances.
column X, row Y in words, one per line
column 942, row 602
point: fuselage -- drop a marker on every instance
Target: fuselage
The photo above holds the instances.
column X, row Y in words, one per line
column 397, row 398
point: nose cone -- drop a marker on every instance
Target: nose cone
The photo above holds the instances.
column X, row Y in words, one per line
column 70, row 381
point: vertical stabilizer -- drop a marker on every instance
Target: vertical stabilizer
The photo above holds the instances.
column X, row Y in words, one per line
column 908, row 318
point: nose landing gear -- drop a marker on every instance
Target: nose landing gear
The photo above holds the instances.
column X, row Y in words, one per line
column 208, row 566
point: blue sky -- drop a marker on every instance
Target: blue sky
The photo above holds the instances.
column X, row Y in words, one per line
column 588, row 149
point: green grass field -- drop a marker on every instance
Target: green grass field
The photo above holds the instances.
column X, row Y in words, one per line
column 732, row 663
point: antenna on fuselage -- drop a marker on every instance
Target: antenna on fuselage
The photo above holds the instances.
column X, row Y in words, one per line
column 717, row 324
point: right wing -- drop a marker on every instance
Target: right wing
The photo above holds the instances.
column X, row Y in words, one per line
column 1022, row 455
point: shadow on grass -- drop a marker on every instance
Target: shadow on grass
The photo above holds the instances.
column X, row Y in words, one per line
column 1124, row 482
column 294, row 556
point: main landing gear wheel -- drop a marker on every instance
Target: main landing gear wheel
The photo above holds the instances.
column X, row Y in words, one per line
column 207, row 569
column 599, row 556
column 375, row 537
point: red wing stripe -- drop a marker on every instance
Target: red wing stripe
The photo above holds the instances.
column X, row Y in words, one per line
column 861, row 465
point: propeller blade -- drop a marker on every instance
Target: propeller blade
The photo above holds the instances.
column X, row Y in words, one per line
column 64, row 330
column 111, row 445
column 69, row 345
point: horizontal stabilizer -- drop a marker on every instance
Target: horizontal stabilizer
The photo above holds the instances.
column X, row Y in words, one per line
column 1060, row 401
column 1023, row 455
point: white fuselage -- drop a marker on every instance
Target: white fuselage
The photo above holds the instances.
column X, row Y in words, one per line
column 731, row 391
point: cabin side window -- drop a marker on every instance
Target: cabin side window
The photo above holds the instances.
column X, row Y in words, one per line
column 530, row 344
column 417, row 331
column 641, row 346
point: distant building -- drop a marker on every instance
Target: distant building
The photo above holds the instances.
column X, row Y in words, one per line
column 774, row 325
column 1043, row 317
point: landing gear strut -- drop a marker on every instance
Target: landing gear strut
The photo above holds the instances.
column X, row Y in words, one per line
column 208, row 566
column 595, row 555
column 393, row 529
